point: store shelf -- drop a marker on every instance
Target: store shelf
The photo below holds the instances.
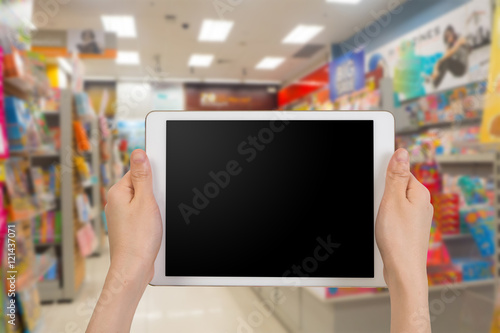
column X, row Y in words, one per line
column 456, row 237
column 319, row 292
column 35, row 153
column 443, row 124
column 483, row 158
column 43, row 245
column 46, row 154
column 51, row 114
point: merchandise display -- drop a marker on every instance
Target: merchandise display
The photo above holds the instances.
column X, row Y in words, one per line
column 78, row 78
column 40, row 191
column 450, row 106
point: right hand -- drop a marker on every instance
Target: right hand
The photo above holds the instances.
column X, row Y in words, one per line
column 403, row 223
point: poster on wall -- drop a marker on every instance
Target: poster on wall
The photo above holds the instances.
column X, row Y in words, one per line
column 448, row 52
column 347, row 74
column 86, row 41
column 490, row 127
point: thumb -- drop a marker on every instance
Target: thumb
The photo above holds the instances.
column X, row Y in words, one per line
column 398, row 174
column 140, row 173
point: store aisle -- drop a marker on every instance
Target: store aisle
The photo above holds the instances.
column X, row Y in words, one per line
column 162, row 309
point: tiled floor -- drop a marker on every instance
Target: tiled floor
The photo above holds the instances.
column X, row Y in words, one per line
column 162, row 309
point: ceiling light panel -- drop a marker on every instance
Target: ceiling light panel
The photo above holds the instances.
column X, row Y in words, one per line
column 200, row 60
column 122, row 25
column 215, row 30
column 302, row 34
column 269, row 63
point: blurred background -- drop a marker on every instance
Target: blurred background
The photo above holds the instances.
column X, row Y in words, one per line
column 78, row 77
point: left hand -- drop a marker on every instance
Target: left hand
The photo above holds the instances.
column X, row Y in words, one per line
column 133, row 218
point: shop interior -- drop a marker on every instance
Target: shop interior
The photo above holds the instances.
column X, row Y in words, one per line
column 77, row 79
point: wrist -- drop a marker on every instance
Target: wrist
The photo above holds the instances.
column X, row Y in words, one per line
column 407, row 281
column 129, row 272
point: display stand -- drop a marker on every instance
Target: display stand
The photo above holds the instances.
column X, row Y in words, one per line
column 71, row 264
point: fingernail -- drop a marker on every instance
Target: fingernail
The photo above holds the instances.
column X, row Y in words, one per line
column 138, row 156
column 402, row 155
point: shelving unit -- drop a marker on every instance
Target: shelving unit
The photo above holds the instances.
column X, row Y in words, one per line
column 444, row 124
column 69, row 282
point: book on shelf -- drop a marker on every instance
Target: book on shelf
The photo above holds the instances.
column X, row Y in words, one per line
column 29, row 308
column 44, row 196
column 17, row 117
column 45, row 228
column 83, row 208
column 19, row 203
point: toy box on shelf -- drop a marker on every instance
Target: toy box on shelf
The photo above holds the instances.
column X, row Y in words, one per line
column 449, row 106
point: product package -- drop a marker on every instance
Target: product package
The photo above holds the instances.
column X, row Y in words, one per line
column 446, row 213
column 475, row 269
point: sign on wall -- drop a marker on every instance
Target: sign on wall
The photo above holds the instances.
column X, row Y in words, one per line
column 207, row 97
column 347, row 74
column 450, row 51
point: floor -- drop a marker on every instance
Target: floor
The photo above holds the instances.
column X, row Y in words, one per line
column 163, row 309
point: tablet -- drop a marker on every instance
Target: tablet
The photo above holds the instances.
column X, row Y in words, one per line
column 269, row 198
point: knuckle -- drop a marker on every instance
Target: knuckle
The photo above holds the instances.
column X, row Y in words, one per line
column 139, row 175
column 399, row 174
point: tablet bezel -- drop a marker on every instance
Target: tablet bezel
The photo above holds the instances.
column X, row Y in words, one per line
column 384, row 133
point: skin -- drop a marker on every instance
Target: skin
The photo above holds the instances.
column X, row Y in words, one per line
column 135, row 233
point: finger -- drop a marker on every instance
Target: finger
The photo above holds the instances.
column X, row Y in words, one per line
column 416, row 192
column 122, row 191
column 140, row 174
column 398, row 175
column 126, row 181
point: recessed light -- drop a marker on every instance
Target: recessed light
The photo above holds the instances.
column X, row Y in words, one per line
column 121, row 25
column 302, row 34
column 128, row 58
column 349, row 2
column 215, row 30
column 270, row 63
column 200, row 60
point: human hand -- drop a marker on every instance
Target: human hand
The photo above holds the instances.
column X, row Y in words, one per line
column 134, row 221
column 135, row 232
column 403, row 224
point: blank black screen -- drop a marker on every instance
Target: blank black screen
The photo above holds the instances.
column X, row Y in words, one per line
column 269, row 199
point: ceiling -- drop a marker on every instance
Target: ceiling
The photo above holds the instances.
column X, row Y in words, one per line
column 260, row 25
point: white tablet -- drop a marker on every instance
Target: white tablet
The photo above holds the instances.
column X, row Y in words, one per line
column 269, row 198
